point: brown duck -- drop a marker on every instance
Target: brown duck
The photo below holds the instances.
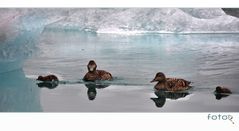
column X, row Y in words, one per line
column 48, row 78
column 94, row 74
column 222, row 90
column 170, row 84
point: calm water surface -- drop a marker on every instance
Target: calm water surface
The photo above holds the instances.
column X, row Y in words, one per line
column 207, row 60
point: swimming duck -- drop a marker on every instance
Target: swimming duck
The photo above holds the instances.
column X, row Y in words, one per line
column 48, row 78
column 222, row 90
column 170, row 84
column 94, row 74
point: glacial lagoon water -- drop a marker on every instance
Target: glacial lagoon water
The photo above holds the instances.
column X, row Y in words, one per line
column 208, row 60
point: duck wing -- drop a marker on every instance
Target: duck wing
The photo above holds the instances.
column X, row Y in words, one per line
column 177, row 84
column 104, row 75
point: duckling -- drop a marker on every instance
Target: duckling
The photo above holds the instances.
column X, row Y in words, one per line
column 48, row 78
column 170, row 84
column 94, row 74
column 222, row 90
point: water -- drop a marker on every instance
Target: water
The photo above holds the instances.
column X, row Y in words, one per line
column 208, row 60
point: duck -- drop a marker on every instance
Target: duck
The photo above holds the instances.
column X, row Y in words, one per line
column 48, row 78
column 170, row 84
column 222, row 90
column 94, row 74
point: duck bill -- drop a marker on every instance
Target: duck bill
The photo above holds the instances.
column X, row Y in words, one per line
column 152, row 80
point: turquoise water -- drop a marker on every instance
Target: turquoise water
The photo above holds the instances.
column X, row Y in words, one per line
column 208, row 60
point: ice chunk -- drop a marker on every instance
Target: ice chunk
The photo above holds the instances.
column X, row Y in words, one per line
column 18, row 93
column 19, row 32
column 149, row 20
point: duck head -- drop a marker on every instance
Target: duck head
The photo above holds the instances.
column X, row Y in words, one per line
column 218, row 89
column 160, row 77
column 40, row 78
column 91, row 66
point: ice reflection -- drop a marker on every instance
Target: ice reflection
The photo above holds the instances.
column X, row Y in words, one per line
column 18, row 93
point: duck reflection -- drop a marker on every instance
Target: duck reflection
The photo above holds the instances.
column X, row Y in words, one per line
column 91, row 92
column 160, row 101
column 220, row 96
column 49, row 85
column 162, row 95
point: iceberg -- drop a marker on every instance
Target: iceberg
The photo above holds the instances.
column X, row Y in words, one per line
column 20, row 29
column 149, row 20
column 18, row 93
column 19, row 32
